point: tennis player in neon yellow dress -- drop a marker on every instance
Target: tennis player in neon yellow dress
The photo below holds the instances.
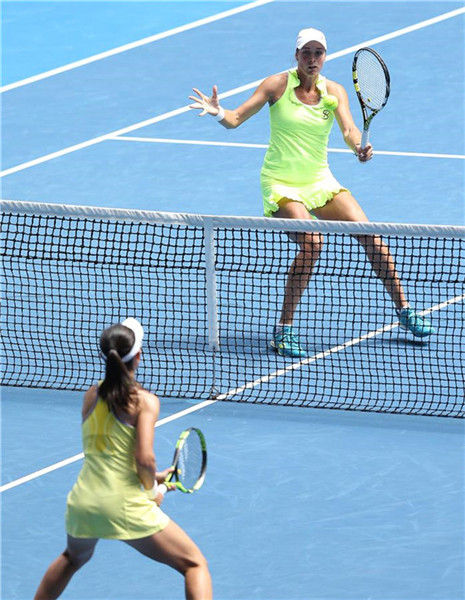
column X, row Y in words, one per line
column 118, row 492
column 296, row 180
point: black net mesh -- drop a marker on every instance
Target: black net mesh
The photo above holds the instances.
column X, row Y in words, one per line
column 65, row 279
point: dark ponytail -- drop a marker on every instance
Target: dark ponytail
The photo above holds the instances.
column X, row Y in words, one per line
column 119, row 386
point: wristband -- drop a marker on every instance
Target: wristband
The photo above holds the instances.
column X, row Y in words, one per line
column 152, row 492
column 162, row 489
column 220, row 115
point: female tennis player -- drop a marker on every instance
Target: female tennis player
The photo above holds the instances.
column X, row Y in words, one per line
column 116, row 495
column 296, row 181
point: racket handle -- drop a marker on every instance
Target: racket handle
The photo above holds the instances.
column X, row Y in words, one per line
column 365, row 136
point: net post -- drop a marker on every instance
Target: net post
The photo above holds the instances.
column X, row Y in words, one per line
column 210, row 273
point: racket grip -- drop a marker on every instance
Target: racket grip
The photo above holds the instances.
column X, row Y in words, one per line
column 365, row 136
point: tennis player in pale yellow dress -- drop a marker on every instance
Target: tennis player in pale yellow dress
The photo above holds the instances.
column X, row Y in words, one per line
column 296, row 181
column 118, row 492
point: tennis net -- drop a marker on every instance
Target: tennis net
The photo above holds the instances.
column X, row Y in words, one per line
column 208, row 291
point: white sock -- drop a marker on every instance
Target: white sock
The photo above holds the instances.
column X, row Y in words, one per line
column 399, row 310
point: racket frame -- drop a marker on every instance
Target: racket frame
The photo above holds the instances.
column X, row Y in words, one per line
column 367, row 118
column 177, row 452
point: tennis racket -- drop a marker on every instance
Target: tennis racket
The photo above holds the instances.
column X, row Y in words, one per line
column 189, row 461
column 372, row 86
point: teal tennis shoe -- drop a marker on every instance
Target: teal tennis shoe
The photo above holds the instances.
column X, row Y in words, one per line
column 286, row 342
column 415, row 323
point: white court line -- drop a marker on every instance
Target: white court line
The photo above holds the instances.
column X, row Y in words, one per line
column 76, row 457
column 232, row 92
column 234, row 392
column 132, row 45
column 247, row 145
column 92, row 142
column 315, row 357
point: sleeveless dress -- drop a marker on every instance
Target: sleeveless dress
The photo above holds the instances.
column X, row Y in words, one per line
column 107, row 500
column 296, row 162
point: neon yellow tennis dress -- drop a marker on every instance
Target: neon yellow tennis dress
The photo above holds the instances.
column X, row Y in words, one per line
column 296, row 162
column 107, row 501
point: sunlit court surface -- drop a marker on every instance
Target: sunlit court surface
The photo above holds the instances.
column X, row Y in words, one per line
column 335, row 477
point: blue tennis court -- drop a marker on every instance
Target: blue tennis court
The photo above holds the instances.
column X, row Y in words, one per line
column 298, row 503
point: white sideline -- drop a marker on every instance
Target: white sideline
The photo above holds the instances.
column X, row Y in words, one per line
column 132, row 45
column 76, row 457
column 173, row 113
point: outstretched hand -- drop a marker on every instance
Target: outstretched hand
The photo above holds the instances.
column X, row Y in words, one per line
column 207, row 105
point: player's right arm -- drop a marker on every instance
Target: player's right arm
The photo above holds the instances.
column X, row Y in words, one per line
column 269, row 90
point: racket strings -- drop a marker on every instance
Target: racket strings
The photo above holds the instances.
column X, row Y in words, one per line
column 190, row 462
column 371, row 80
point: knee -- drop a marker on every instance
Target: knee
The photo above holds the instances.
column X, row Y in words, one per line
column 310, row 249
column 76, row 561
column 202, row 562
column 372, row 243
column 196, row 561
column 312, row 246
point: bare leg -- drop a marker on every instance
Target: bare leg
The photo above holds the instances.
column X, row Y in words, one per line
column 344, row 207
column 173, row 547
column 59, row 573
column 302, row 267
column 383, row 265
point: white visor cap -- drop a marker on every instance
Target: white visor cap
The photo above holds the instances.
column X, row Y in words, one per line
column 137, row 329
column 310, row 35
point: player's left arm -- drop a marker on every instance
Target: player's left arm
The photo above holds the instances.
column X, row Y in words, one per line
column 350, row 132
column 149, row 408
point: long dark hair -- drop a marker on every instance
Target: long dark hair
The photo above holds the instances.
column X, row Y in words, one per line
column 118, row 387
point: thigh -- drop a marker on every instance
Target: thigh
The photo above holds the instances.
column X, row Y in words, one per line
column 343, row 207
column 290, row 209
column 171, row 546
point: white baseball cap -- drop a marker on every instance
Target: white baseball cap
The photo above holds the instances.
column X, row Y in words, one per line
column 310, row 35
column 137, row 329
